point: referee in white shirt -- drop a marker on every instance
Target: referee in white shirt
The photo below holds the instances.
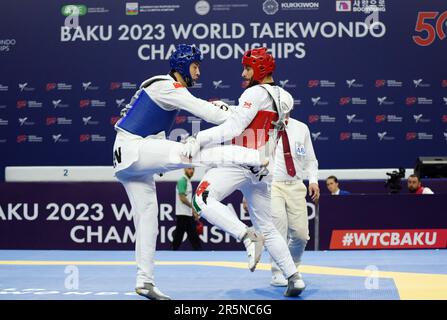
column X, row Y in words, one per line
column 294, row 160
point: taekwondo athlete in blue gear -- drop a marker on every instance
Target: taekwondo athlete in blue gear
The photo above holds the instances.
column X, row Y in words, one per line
column 141, row 150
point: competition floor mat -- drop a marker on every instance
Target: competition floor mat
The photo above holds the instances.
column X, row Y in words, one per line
column 222, row 275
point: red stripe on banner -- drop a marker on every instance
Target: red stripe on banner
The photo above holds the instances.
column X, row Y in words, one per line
column 389, row 239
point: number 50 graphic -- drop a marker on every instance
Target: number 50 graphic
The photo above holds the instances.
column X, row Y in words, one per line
column 431, row 31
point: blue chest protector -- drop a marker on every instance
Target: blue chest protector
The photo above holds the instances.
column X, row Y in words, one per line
column 145, row 117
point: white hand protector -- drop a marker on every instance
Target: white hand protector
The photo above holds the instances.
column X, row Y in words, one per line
column 190, row 148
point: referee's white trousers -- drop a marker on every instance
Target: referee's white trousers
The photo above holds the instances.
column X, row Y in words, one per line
column 289, row 211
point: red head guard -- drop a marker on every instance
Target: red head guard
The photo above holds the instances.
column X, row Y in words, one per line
column 261, row 61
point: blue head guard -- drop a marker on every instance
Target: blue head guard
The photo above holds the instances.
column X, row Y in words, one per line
column 182, row 58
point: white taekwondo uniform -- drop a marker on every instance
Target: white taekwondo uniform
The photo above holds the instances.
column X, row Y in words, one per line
column 251, row 119
column 141, row 150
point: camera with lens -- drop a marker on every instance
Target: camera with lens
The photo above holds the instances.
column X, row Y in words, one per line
column 393, row 184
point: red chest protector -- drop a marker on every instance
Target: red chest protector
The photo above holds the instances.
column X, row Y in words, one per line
column 256, row 134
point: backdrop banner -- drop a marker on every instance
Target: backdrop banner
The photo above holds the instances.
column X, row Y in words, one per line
column 367, row 76
column 401, row 221
column 96, row 216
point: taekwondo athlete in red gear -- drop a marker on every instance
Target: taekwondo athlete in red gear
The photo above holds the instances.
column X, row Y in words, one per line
column 261, row 110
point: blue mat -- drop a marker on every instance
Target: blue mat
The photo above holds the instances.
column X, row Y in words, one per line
column 197, row 282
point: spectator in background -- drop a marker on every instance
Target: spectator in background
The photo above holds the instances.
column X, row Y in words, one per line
column 415, row 186
column 333, row 187
column 185, row 214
